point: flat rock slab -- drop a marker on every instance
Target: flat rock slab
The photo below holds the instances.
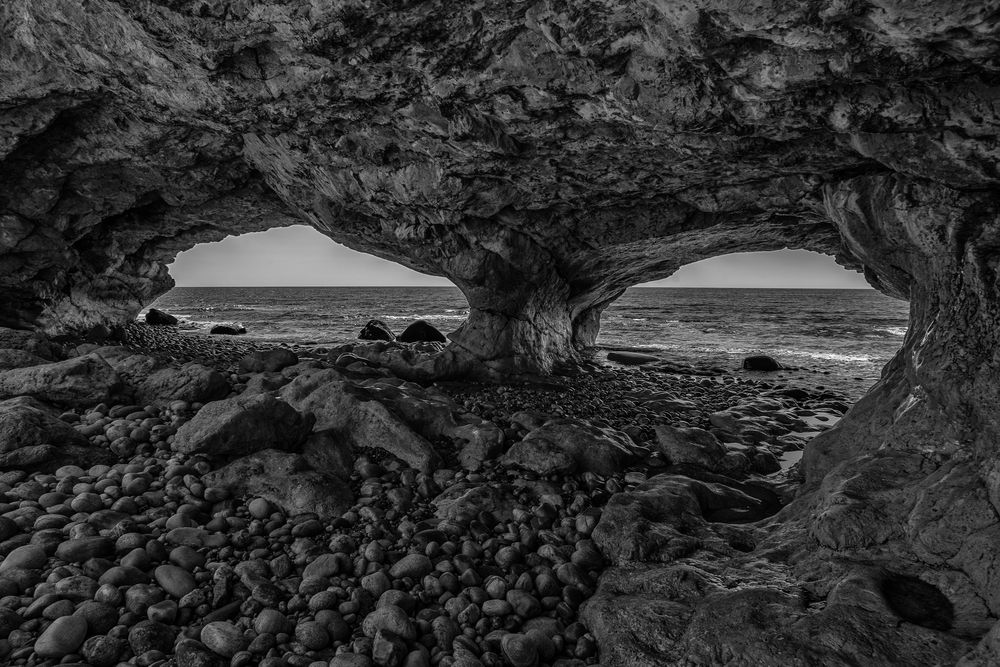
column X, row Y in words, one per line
column 631, row 358
column 82, row 381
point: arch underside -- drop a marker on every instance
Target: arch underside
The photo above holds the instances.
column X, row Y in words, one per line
column 544, row 157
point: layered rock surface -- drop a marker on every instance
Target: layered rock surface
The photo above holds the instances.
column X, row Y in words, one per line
column 545, row 157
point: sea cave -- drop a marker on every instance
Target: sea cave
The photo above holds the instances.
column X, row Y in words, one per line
column 544, row 156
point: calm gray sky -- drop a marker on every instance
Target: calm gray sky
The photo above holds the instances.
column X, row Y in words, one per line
column 300, row 255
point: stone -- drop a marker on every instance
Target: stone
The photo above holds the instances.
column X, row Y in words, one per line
column 157, row 317
column 228, row 329
column 192, row 382
column 223, row 638
column 389, row 618
column 192, row 653
column 376, row 330
column 268, row 361
column 285, row 479
column 31, row 434
column 26, row 557
column 354, row 413
column 63, row 637
column 151, row 636
column 82, row 381
column 176, row 581
column 10, row 358
column 761, row 362
column 631, row 358
column 84, row 548
column 242, row 425
column 102, row 650
column 563, row 446
column 689, row 445
column 413, row 566
column 421, row 331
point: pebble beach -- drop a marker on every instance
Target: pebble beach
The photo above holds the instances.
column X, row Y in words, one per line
column 460, row 532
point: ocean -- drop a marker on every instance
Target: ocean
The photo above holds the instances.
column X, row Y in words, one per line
column 847, row 335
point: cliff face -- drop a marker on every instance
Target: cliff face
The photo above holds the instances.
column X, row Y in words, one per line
column 545, row 156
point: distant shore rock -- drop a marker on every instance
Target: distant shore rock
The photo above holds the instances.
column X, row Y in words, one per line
column 422, row 331
column 228, row 329
column 157, row 317
column 631, row 358
column 761, row 362
column 376, row 330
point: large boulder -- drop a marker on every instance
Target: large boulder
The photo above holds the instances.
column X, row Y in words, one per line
column 421, row 331
column 363, row 421
column 242, row 425
column 228, row 329
column 157, row 317
column 31, row 434
column 761, row 362
column 376, row 330
column 562, row 446
column 689, row 445
column 82, row 381
column 285, row 478
column 153, row 383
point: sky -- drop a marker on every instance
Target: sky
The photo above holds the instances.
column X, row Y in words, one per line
column 299, row 255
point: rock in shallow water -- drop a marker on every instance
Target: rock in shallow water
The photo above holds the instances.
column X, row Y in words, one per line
column 376, row 330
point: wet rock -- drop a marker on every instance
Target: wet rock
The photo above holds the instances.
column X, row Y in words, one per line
column 421, row 331
column 631, row 358
column 156, row 317
column 242, row 425
column 376, row 330
column 228, row 329
column 761, row 363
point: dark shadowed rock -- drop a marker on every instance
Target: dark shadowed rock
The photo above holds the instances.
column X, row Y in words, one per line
column 376, row 330
column 31, row 434
column 151, row 382
column 157, row 317
column 761, row 362
column 81, row 381
column 32, row 342
column 421, row 332
column 228, row 329
column 631, row 358
column 287, row 480
column 242, row 425
column 268, row 361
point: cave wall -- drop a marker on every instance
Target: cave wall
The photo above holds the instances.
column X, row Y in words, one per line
column 581, row 147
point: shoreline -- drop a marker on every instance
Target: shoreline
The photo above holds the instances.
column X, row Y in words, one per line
column 462, row 530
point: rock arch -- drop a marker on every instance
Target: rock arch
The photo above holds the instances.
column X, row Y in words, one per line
column 545, row 156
